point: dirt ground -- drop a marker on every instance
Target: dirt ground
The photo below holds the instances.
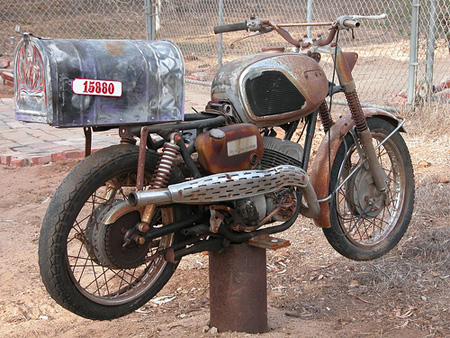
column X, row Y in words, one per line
column 312, row 290
column 6, row 91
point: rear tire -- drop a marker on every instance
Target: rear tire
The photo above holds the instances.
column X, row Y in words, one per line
column 362, row 230
column 100, row 281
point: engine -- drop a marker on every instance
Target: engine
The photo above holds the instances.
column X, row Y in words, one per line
column 280, row 205
column 241, row 147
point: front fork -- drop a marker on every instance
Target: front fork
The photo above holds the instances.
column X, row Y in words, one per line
column 365, row 140
column 344, row 65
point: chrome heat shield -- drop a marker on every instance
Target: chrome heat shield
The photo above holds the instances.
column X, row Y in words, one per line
column 226, row 187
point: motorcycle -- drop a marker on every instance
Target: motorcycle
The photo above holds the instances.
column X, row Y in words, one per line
column 120, row 222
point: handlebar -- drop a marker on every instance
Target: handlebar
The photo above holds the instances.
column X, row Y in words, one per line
column 259, row 26
column 234, row 27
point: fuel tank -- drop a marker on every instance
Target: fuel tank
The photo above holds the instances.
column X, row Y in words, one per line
column 271, row 88
column 72, row 83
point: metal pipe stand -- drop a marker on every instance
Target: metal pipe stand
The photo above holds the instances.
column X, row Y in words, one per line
column 238, row 289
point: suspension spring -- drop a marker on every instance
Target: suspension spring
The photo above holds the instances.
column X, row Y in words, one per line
column 126, row 136
column 165, row 164
column 356, row 110
column 325, row 117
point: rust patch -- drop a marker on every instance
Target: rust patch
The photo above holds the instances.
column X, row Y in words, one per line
column 350, row 58
column 273, row 49
column 343, row 69
column 265, row 241
column 115, row 48
column 214, row 155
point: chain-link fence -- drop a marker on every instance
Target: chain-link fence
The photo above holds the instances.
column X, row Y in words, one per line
column 433, row 51
column 77, row 19
column 385, row 64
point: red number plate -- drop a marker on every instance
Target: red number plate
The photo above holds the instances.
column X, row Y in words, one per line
column 97, row 87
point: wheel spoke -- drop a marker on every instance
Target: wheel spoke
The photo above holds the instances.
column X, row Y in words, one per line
column 95, row 280
column 83, row 262
column 363, row 229
column 76, row 261
column 366, row 222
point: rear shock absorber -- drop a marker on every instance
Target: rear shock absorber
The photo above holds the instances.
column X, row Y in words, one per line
column 165, row 164
column 160, row 178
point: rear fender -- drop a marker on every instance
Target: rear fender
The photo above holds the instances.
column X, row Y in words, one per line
column 320, row 173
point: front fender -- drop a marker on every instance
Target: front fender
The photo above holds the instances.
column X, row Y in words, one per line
column 320, row 172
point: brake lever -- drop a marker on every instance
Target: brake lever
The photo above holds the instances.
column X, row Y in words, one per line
column 253, row 24
column 245, row 37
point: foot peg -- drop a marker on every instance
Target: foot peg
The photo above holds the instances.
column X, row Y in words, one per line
column 265, row 241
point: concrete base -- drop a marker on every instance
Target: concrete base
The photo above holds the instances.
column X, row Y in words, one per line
column 238, row 289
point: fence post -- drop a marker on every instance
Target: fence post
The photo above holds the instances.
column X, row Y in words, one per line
column 148, row 19
column 309, row 17
column 413, row 54
column 150, row 24
column 430, row 47
column 220, row 46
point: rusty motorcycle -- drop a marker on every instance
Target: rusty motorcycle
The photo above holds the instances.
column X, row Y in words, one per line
column 178, row 184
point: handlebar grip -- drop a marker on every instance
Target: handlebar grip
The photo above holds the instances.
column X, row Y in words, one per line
column 370, row 17
column 241, row 26
column 351, row 23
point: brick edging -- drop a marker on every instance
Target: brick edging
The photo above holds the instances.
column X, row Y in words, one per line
column 26, row 160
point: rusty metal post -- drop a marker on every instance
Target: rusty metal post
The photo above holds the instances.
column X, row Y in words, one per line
column 88, row 141
column 238, row 289
column 141, row 162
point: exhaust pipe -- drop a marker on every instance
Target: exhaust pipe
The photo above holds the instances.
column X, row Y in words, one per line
column 232, row 186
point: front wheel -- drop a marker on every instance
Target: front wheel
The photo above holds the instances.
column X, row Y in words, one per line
column 366, row 224
column 84, row 263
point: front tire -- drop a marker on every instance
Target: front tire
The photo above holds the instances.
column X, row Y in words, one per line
column 364, row 223
column 82, row 262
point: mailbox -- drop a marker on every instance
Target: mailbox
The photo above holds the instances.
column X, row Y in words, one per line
column 78, row 83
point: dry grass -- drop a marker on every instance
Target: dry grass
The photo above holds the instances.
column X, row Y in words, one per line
column 429, row 118
column 415, row 277
column 407, row 288
column 432, row 203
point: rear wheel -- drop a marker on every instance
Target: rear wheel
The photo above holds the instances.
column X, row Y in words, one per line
column 366, row 224
column 84, row 264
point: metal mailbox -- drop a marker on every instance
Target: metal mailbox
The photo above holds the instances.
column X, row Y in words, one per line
column 74, row 83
